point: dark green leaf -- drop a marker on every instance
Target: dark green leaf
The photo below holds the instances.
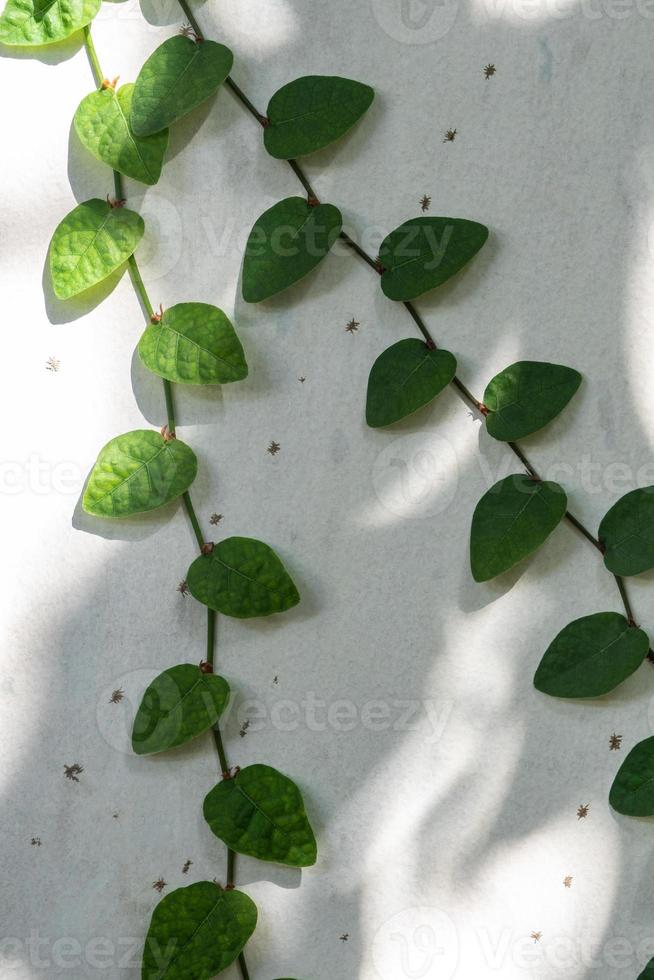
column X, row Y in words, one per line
column 242, row 577
column 632, row 792
column 138, row 471
column 405, row 377
column 312, row 112
column 193, row 344
column 591, row 656
column 196, row 932
column 627, row 533
column 32, row 23
column 180, row 704
column 526, row 396
column 260, row 812
column 648, row 972
column 511, row 521
column 176, row 78
column 288, row 240
column 102, row 124
column 91, row 243
column 425, row 252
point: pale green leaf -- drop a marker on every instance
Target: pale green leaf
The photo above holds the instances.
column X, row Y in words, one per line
column 138, row 471
column 591, row 656
column 89, row 244
column 627, row 533
column 287, row 241
column 526, row 396
column 242, row 577
column 632, row 792
column 405, row 377
column 260, row 812
column 425, row 252
column 177, row 77
column 193, row 344
column 179, row 704
column 196, row 932
column 102, row 124
column 311, row 112
column 511, row 521
column 33, row 23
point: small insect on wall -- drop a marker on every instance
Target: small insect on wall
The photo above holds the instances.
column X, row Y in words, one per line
column 198, row 931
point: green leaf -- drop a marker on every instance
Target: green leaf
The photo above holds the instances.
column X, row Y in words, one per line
column 196, row 932
column 102, row 124
column 287, row 241
column 511, row 521
column 136, row 472
column 405, row 377
column 648, row 972
column 260, row 812
column 180, row 704
column 632, row 792
column 193, row 344
column 526, row 396
column 627, row 533
column 32, row 23
column 425, row 252
column 242, row 577
column 176, row 78
column 312, row 112
column 591, row 656
column 91, row 243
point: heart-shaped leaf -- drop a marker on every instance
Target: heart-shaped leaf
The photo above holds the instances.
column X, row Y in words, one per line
column 138, row 471
column 627, row 533
column 405, row 377
column 511, row 521
column 32, row 23
column 91, row 243
column 632, row 792
column 196, row 932
column 288, row 240
column 526, row 396
column 176, row 78
column 312, row 112
column 260, row 812
column 242, row 577
column 102, row 124
column 648, row 972
column 425, row 252
column 591, row 656
column 180, row 704
column 193, row 344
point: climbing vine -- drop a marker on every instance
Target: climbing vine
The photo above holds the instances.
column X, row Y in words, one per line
column 198, row 931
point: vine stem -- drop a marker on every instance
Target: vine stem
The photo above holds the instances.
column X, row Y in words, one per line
column 148, row 310
column 464, row 393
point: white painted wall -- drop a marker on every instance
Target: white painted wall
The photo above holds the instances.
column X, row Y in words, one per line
column 464, row 821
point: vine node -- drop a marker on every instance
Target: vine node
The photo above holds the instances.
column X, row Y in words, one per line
column 207, row 547
column 189, row 32
column 157, row 317
column 206, row 667
column 116, row 202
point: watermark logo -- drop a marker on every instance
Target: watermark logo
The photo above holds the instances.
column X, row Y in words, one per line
column 415, row 21
column 416, row 475
column 416, row 944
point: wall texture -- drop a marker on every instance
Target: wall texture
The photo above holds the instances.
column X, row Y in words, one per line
column 443, row 788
